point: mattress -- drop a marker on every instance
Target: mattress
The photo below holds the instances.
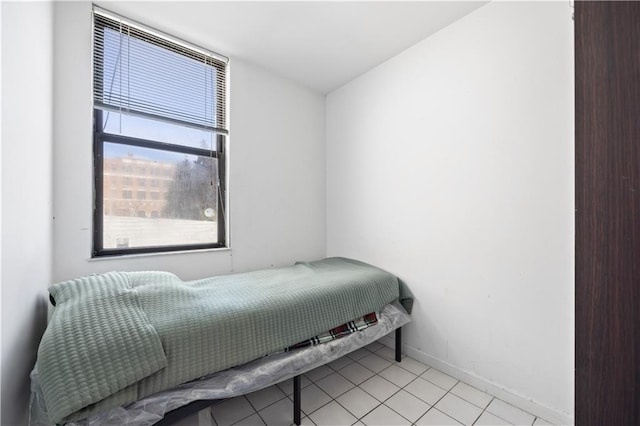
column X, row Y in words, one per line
column 240, row 380
column 116, row 338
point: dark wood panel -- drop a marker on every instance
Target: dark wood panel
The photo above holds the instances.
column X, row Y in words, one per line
column 607, row 54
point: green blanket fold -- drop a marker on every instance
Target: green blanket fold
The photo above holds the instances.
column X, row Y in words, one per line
column 86, row 354
column 118, row 337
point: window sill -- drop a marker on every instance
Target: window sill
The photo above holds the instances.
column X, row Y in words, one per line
column 164, row 253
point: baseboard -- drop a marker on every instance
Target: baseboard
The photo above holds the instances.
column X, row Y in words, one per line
column 512, row 397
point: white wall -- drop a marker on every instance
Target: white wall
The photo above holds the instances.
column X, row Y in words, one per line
column 0, row 210
column 277, row 177
column 451, row 165
column 277, row 173
column 27, row 52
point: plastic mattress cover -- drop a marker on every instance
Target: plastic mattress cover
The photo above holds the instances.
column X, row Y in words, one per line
column 240, row 380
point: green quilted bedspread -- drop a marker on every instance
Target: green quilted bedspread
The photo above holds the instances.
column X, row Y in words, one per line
column 118, row 337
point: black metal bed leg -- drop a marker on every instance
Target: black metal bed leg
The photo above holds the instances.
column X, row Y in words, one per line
column 296, row 400
column 398, row 344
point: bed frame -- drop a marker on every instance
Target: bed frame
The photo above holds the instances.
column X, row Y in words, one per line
column 185, row 411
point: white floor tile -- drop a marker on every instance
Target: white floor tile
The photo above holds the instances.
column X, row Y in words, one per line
column 384, row 416
column 205, row 418
column 542, row 422
column 331, row 415
column 358, row 402
column 335, row 385
column 254, row 420
column 312, row 398
column 436, row 418
column 488, row 419
column 358, row 354
column 232, row 410
column 287, row 385
column 192, row 420
column 461, row 410
column 278, row 414
column 439, row 378
column 398, row 376
column 379, row 388
column 413, row 366
column 471, row 394
column 264, row 397
column 305, row 421
column 407, row 405
column 389, row 354
column 510, row 413
column 425, row 390
column 356, row 373
column 375, row 346
column 340, row 363
column 374, row 363
column 318, row 373
column 344, row 391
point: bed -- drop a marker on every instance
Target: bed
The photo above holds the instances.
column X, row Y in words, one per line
column 117, row 339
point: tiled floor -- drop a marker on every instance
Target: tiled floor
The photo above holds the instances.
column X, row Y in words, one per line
column 367, row 387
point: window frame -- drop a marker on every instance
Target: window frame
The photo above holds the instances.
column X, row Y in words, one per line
column 101, row 137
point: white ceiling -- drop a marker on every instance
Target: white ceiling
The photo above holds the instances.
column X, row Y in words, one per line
column 321, row 45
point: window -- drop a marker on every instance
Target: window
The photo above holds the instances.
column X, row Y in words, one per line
column 159, row 107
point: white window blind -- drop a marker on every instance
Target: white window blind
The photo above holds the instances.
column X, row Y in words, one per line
column 142, row 72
